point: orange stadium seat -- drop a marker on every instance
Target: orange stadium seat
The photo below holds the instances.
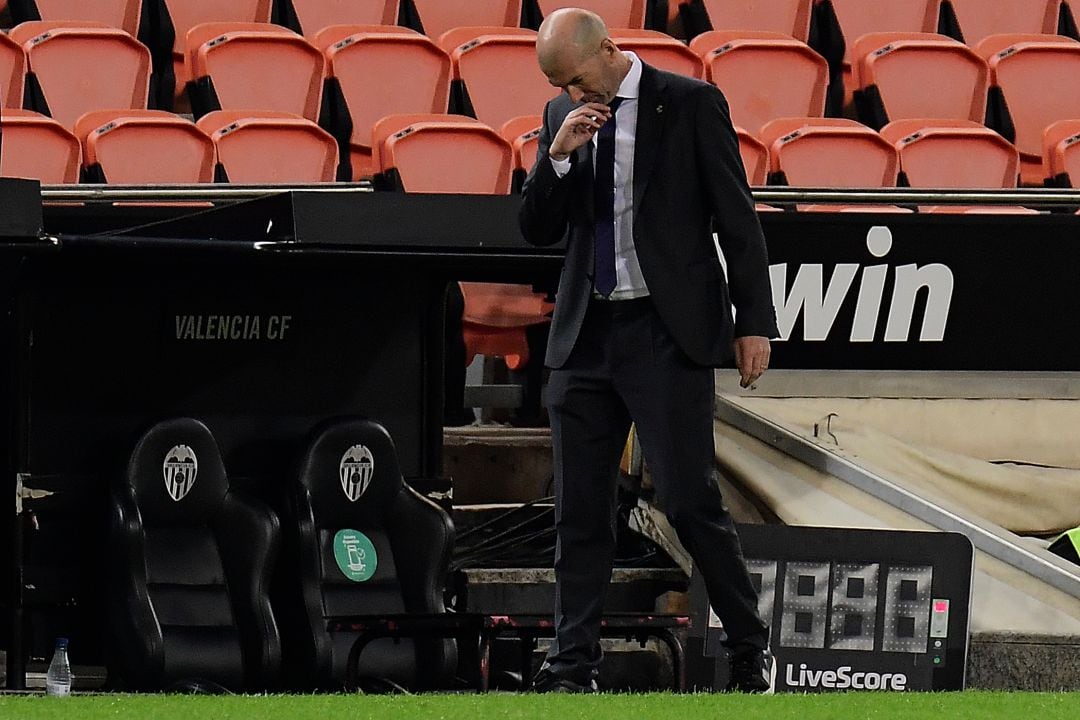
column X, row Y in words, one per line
column 12, row 72
column 1037, row 79
column 314, row 15
column 84, row 66
column 123, row 14
column 918, row 75
column 393, row 124
column 755, row 157
column 660, row 50
column 523, row 134
column 495, row 319
column 981, row 18
column 438, row 16
column 182, row 15
column 979, row 210
column 240, row 66
column 144, row 146
column 859, row 17
column 249, row 147
column 1061, row 153
column 953, row 154
column 445, row 155
column 376, row 73
column 38, row 147
column 787, row 16
column 484, row 62
column 764, row 75
column 830, row 152
column 616, row 13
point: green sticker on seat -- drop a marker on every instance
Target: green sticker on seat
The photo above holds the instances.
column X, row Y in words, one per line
column 355, row 555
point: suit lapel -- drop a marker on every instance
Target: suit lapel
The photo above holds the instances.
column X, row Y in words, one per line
column 650, row 126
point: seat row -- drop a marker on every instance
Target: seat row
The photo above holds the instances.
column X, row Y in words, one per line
column 918, row 153
column 969, row 20
column 434, row 152
column 208, row 583
column 131, row 147
column 843, row 21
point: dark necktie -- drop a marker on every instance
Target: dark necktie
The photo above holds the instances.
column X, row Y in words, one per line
column 604, row 198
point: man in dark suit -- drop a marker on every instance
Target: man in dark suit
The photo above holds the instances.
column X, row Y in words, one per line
column 634, row 167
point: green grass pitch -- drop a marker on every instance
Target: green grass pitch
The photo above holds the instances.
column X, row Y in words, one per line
column 971, row 705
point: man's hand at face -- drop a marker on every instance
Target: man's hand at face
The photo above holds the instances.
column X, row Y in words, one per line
column 578, row 128
column 752, row 358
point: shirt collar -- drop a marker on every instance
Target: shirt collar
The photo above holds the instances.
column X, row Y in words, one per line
column 631, row 84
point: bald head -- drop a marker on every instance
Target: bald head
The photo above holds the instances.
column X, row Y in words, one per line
column 576, row 53
column 570, row 34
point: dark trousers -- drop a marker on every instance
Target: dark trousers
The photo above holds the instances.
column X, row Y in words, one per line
column 625, row 366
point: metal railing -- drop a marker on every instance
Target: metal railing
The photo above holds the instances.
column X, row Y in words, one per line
column 1028, row 197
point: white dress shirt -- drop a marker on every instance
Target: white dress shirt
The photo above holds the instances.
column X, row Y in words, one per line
column 630, row 283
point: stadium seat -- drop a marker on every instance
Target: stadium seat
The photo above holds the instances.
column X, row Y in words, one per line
column 438, row 16
column 1061, row 153
column 244, row 66
column 83, row 67
column 123, row 14
column 660, row 50
column 523, row 134
column 616, row 13
column 842, row 208
column 392, row 124
column 443, row 155
column 465, row 34
column 12, row 72
column 179, row 16
column 956, row 154
column 791, row 17
column 358, row 542
column 859, row 17
column 764, row 75
column 375, row 73
column 38, row 147
column 755, row 157
column 495, row 318
column 832, row 152
column 131, row 147
column 483, row 64
column 918, row 75
column 1035, row 78
column 978, row 210
column 979, row 19
column 313, row 15
column 953, row 154
column 189, row 567
column 249, row 147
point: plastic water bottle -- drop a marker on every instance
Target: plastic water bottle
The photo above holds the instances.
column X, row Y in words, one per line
column 58, row 678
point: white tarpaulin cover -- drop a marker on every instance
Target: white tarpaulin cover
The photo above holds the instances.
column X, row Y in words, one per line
column 1015, row 463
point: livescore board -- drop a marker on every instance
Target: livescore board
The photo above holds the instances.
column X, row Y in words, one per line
column 849, row 610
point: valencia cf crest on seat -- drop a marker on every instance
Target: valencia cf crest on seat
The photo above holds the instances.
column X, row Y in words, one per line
column 181, row 467
column 357, row 468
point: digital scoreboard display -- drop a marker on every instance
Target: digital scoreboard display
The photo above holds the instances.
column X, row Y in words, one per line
column 848, row 609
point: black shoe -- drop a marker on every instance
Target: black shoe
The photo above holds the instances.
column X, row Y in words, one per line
column 752, row 671
column 548, row 682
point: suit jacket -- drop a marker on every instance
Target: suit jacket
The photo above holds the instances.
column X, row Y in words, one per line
column 687, row 173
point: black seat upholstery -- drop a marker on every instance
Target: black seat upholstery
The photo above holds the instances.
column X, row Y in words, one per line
column 190, row 564
column 359, row 541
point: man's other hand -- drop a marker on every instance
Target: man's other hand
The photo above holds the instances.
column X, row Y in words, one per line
column 752, row 358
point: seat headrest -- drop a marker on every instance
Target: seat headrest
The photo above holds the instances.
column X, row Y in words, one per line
column 351, row 471
column 176, row 474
